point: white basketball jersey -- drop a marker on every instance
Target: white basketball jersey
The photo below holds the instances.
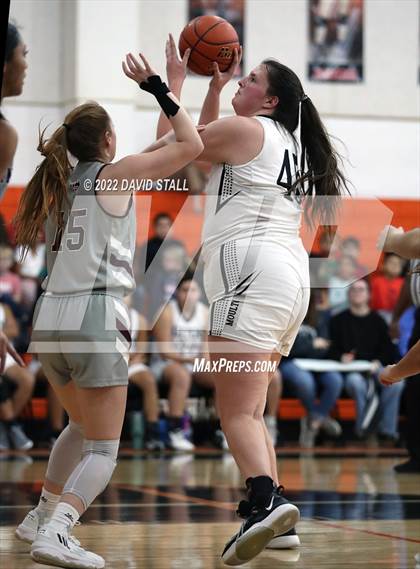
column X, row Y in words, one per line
column 187, row 335
column 253, row 200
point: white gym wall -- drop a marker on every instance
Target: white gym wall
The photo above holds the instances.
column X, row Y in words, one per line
column 76, row 48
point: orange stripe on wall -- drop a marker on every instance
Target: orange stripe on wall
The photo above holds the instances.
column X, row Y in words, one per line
column 359, row 215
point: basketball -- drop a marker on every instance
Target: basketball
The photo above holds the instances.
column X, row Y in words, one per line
column 210, row 39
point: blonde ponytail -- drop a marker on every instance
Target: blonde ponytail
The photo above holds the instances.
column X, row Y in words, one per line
column 81, row 134
column 46, row 191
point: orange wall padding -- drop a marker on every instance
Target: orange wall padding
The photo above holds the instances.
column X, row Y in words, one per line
column 188, row 227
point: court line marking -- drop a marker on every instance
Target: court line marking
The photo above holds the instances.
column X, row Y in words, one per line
column 179, row 497
column 118, row 504
column 233, row 504
column 227, row 506
column 368, row 531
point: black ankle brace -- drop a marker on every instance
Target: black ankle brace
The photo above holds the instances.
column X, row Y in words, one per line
column 159, row 89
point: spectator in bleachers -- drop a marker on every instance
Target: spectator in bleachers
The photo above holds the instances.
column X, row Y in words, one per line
column 23, row 319
column 160, row 284
column 351, row 246
column 307, row 386
column 140, row 375
column 162, row 223
column 4, row 236
column 30, row 269
column 188, row 317
column 338, row 283
column 386, row 286
column 150, row 280
column 329, row 251
column 17, row 384
column 10, row 283
column 360, row 333
column 180, row 336
column 274, row 392
column 56, row 414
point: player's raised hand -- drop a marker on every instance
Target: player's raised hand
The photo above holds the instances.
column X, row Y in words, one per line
column 135, row 70
column 386, row 377
column 387, row 237
column 219, row 79
column 176, row 68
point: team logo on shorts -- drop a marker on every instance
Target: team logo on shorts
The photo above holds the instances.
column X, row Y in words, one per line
column 233, row 309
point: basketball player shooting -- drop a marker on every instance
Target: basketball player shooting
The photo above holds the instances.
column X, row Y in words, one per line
column 256, row 270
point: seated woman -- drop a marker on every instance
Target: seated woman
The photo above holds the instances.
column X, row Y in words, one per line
column 140, row 375
column 179, row 334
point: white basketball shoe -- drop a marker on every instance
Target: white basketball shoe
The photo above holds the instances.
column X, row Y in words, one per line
column 56, row 547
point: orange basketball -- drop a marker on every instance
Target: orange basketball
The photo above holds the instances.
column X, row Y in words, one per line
column 210, row 38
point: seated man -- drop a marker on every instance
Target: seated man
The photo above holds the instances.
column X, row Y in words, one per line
column 318, row 392
column 360, row 333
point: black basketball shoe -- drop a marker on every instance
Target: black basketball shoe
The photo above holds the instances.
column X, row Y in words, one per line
column 266, row 515
column 288, row 540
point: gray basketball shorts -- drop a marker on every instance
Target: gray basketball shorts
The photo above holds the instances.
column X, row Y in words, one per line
column 82, row 337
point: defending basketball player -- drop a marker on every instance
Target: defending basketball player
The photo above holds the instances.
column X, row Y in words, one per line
column 81, row 323
column 256, row 269
column 395, row 240
column 13, row 79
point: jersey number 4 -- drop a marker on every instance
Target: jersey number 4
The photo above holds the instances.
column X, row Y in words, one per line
column 75, row 234
column 285, row 179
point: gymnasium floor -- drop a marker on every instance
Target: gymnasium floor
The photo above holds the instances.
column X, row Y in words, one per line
column 177, row 511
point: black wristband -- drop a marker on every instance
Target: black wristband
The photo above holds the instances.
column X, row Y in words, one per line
column 159, row 89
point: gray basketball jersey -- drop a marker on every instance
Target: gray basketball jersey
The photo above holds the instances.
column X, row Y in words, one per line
column 95, row 249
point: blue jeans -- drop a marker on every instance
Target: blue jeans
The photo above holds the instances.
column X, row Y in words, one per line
column 389, row 402
column 304, row 384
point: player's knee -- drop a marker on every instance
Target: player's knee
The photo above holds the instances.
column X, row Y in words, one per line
column 95, row 470
column 104, row 454
column 258, row 414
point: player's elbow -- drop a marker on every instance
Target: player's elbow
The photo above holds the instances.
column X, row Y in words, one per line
column 190, row 150
column 197, row 147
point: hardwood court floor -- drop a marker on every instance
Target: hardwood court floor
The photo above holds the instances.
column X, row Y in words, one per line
column 177, row 512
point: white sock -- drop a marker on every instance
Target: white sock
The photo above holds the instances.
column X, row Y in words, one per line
column 46, row 505
column 65, row 516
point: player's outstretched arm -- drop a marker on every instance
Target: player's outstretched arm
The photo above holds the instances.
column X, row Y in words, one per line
column 176, row 71
column 230, row 139
column 211, row 106
column 172, row 156
column 395, row 240
column 409, row 365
